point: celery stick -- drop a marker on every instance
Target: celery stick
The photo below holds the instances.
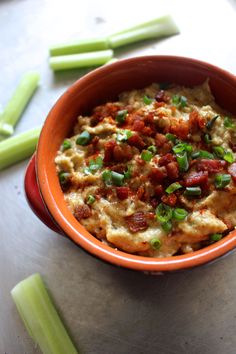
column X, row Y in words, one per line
column 164, row 26
column 112, row 60
column 81, row 46
column 6, row 129
column 18, row 147
column 65, row 62
column 18, row 101
column 40, row 316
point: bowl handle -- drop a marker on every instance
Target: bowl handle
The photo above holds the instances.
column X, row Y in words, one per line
column 35, row 199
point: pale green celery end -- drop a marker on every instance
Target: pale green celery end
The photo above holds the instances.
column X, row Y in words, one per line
column 40, row 316
column 6, row 129
column 81, row 46
column 66, row 62
column 162, row 19
column 112, row 60
column 140, row 34
column 20, row 98
column 18, row 147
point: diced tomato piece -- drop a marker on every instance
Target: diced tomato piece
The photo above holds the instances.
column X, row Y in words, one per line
column 164, row 160
column 108, row 151
column 138, row 125
column 169, row 199
column 137, row 221
column 157, row 174
column 211, row 166
column 82, row 212
column 196, row 178
column 172, row 169
column 232, row 171
column 136, row 140
column 122, row 192
column 160, row 139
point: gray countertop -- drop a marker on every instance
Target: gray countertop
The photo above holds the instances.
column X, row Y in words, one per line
column 107, row 309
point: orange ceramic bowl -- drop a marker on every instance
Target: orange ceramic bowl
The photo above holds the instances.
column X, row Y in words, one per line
column 102, row 85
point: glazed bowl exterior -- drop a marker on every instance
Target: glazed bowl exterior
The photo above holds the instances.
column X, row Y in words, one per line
column 102, row 85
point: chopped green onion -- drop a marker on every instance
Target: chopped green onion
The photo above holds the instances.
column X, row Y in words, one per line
column 18, row 147
column 146, row 155
column 203, row 154
column 228, row 123
column 123, row 135
column 192, row 191
column 66, row 145
column 147, row 100
column 18, row 102
column 222, row 180
column 179, row 101
column 167, row 226
column 63, row 177
column 84, row 138
column 219, row 151
column 128, row 173
column 91, row 199
column 183, row 163
column 163, row 213
column 153, row 149
column 65, row 62
column 117, row 178
column 216, row 237
column 171, row 137
column 181, row 147
column 155, row 243
column 81, row 46
column 96, row 164
column 207, row 139
column 40, row 317
column 160, row 27
column 179, row 214
column 121, row 116
column 228, row 157
column 211, row 122
column 106, row 176
column 173, row 187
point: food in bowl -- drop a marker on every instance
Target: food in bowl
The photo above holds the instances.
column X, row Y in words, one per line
column 153, row 173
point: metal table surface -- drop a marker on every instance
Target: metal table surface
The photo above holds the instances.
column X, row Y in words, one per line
column 107, row 309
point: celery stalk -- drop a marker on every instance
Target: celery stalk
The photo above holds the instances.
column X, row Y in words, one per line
column 163, row 26
column 40, row 316
column 112, row 60
column 18, row 102
column 65, row 62
column 81, row 46
column 18, row 147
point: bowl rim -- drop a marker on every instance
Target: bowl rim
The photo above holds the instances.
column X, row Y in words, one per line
column 84, row 238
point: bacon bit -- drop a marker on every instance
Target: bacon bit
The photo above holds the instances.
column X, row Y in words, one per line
column 180, row 128
column 108, row 151
column 173, row 109
column 82, row 212
column 95, row 140
column 122, row 192
column 137, row 221
column 172, row 170
column 149, row 118
column 148, row 131
column 122, row 152
column 159, row 104
column 160, row 140
column 169, row 199
column 195, row 178
column 196, row 121
column 159, row 191
column 232, row 171
column 150, row 215
column 164, row 160
column 233, row 146
column 161, row 96
column 157, row 175
column 136, row 140
column 138, row 125
column 140, row 192
column 154, row 202
column 106, row 110
column 120, row 168
column 211, row 166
